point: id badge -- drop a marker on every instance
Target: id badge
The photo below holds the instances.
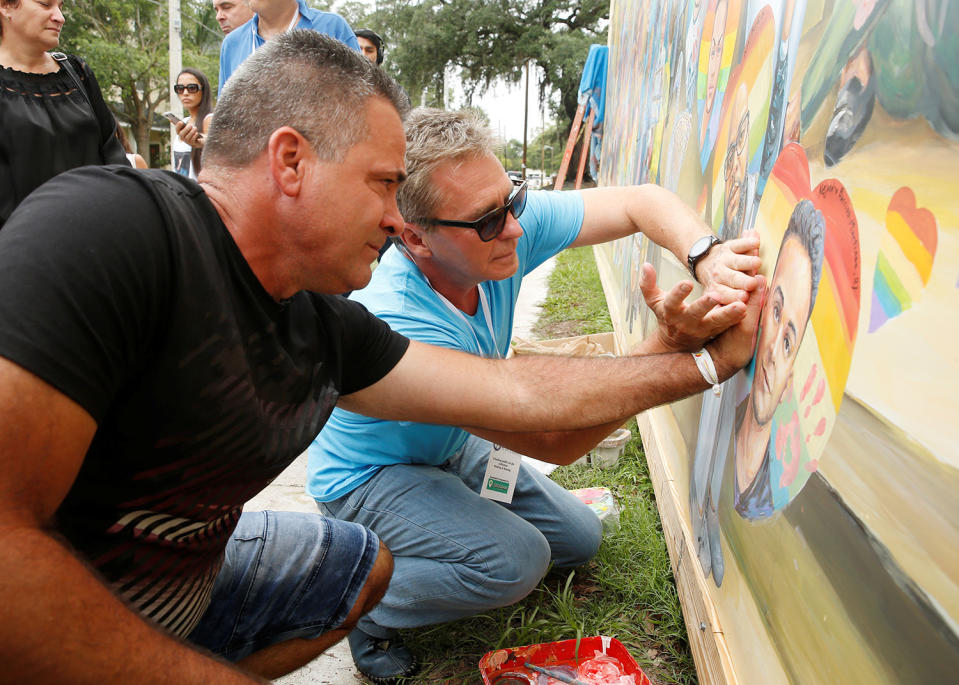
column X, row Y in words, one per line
column 502, row 470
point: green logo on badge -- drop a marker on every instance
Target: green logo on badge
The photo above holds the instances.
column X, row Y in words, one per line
column 497, row 485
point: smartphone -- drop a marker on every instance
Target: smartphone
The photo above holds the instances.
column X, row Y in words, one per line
column 174, row 119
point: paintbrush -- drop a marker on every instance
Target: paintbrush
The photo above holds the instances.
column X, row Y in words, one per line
column 556, row 674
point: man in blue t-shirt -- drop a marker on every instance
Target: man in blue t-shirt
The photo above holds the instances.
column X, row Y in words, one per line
column 470, row 235
column 271, row 18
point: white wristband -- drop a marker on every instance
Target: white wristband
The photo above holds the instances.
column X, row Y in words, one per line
column 704, row 363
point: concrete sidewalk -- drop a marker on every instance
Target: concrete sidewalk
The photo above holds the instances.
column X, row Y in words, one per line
column 286, row 493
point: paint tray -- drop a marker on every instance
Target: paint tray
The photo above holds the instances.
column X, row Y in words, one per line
column 498, row 665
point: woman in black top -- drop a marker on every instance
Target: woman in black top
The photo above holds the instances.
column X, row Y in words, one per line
column 49, row 124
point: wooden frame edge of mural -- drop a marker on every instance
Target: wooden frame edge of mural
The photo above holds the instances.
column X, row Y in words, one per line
column 706, row 638
column 707, row 641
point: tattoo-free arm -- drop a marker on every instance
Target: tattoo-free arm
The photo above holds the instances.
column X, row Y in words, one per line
column 59, row 622
column 532, row 393
column 612, row 212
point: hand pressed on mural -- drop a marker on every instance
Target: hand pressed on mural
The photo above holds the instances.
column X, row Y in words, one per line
column 728, row 272
column 683, row 327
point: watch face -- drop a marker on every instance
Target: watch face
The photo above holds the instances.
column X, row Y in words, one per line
column 701, row 246
column 699, row 250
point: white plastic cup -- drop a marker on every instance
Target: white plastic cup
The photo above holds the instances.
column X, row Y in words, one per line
column 607, row 453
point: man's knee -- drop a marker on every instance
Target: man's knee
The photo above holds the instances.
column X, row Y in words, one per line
column 518, row 566
column 375, row 587
column 585, row 534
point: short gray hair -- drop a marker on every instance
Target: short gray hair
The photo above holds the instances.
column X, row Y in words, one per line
column 434, row 136
column 303, row 79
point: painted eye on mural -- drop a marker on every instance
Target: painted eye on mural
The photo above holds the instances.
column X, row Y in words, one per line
column 716, row 48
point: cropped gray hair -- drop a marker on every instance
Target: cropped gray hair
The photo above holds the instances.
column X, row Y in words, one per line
column 305, row 80
column 434, row 136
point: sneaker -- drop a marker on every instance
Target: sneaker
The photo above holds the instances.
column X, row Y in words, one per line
column 384, row 660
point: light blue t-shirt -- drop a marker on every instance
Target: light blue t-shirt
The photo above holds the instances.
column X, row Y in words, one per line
column 351, row 447
column 242, row 41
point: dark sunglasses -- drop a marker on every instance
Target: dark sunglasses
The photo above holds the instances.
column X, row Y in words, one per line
column 492, row 223
column 190, row 87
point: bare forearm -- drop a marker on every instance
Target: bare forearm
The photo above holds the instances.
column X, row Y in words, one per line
column 555, row 447
column 526, row 393
column 616, row 212
column 60, row 623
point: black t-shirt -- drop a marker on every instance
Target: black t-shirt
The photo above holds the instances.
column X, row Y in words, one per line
column 49, row 126
column 124, row 290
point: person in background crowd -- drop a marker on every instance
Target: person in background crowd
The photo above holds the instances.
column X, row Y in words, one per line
column 193, row 89
column 231, row 14
column 371, row 45
column 135, row 159
column 52, row 112
column 271, row 18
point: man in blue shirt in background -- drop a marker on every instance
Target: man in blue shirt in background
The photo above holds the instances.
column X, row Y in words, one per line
column 470, row 235
column 271, row 18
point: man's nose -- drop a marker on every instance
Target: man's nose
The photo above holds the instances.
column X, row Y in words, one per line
column 512, row 229
column 392, row 221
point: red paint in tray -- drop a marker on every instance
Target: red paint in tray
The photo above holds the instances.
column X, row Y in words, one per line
column 599, row 661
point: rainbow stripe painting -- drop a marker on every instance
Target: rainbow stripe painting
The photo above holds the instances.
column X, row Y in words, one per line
column 905, row 258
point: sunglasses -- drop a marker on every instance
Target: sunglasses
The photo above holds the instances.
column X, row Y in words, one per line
column 190, row 88
column 492, row 223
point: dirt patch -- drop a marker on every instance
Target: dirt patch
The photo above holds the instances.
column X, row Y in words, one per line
column 557, row 329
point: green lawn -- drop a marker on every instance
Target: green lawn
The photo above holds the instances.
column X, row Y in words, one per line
column 627, row 591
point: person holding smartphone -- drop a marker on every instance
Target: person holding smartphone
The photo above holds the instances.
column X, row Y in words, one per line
column 193, row 89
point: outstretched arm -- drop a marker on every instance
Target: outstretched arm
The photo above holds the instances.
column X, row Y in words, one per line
column 59, row 622
column 682, row 328
column 727, row 272
column 530, row 393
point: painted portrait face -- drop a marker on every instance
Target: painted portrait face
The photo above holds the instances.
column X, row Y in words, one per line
column 782, row 326
column 737, row 154
column 715, row 56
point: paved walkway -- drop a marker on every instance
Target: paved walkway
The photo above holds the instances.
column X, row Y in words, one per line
column 286, row 493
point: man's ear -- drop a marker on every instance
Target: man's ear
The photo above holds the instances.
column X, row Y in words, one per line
column 289, row 153
column 414, row 240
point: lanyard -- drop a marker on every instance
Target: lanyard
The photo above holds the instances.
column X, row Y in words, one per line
column 484, row 305
column 255, row 27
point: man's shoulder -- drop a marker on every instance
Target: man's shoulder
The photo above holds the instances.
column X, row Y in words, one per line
column 234, row 41
column 395, row 281
column 329, row 23
column 95, row 204
column 399, row 294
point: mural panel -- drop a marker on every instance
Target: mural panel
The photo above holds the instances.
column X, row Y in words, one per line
column 822, row 483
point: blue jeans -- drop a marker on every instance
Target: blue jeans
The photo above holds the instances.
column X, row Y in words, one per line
column 285, row 575
column 455, row 553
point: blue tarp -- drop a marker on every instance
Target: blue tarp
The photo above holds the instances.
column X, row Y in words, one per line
column 592, row 93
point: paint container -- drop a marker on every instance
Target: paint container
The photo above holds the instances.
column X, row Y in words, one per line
column 583, row 656
column 607, row 453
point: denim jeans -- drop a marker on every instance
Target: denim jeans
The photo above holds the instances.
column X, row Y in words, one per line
column 285, row 575
column 455, row 553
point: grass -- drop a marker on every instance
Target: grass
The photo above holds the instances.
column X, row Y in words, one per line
column 627, row 591
column 574, row 304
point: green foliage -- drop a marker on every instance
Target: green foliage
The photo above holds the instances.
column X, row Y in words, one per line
column 483, row 42
column 126, row 44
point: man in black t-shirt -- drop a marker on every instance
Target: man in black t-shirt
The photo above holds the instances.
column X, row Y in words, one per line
column 164, row 354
